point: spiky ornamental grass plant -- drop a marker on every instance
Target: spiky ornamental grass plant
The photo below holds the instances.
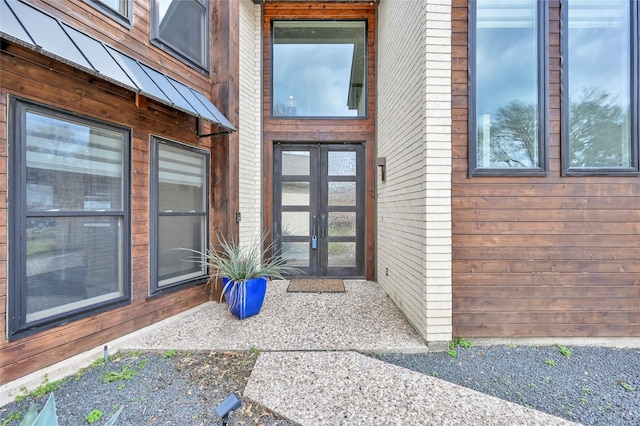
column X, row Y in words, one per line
column 240, row 263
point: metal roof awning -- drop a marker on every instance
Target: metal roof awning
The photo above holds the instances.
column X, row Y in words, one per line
column 32, row 28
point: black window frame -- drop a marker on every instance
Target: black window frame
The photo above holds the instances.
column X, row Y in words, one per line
column 17, row 325
column 166, row 45
column 365, row 116
column 543, row 99
column 125, row 19
column 634, row 170
column 154, row 216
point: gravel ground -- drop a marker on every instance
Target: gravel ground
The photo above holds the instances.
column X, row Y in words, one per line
column 168, row 388
column 592, row 385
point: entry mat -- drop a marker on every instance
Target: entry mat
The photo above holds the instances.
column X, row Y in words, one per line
column 315, row 285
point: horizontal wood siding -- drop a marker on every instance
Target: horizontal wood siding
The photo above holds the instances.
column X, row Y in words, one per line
column 32, row 76
column 540, row 256
column 321, row 130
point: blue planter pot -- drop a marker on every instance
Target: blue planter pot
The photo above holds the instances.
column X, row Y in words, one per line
column 245, row 299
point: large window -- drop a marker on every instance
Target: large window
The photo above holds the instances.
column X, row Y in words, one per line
column 181, row 27
column 507, row 102
column 69, row 218
column 600, row 87
column 319, row 69
column 180, row 215
column 119, row 10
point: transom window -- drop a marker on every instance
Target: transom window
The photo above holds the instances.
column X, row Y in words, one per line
column 507, row 102
column 600, row 104
column 181, row 27
column 69, row 217
column 180, row 214
column 319, row 69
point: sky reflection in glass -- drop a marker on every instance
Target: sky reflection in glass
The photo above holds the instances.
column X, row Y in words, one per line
column 318, row 68
column 599, row 78
column 507, row 83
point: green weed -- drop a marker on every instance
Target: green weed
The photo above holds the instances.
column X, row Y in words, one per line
column 563, row 350
column 458, row 341
column 15, row 416
column 94, row 416
column 626, row 385
column 45, row 388
column 169, row 353
column 125, row 374
column 550, row 362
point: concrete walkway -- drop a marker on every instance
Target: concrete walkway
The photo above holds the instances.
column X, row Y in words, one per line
column 312, row 369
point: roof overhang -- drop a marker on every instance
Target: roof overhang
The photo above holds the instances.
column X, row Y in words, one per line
column 32, row 28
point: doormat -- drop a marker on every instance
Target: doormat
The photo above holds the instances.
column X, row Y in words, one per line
column 314, row 285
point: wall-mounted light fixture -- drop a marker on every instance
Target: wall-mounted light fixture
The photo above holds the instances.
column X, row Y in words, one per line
column 382, row 163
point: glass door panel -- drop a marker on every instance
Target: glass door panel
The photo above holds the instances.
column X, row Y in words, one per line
column 319, row 208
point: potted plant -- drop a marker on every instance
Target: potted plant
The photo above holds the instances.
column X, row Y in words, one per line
column 244, row 270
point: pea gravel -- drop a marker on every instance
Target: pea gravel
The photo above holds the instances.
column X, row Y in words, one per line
column 592, row 385
column 179, row 388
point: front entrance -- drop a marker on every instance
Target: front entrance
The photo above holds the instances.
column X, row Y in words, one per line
column 318, row 207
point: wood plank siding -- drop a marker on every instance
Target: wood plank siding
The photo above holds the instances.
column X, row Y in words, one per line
column 322, row 130
column 29, row 75
column 540, row 256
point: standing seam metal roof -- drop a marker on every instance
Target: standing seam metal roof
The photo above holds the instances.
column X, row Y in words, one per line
column 32, row 28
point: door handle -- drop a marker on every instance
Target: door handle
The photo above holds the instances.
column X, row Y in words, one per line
column 314, row 227
column 323, row 226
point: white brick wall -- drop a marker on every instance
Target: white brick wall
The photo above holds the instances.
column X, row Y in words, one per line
column 414, row 134
column 250, row 120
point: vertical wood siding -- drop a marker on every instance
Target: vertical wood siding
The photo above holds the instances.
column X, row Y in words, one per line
column 540, row 256
column 32, row 76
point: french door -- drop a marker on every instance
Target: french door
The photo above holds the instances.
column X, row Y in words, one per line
column 318, row 202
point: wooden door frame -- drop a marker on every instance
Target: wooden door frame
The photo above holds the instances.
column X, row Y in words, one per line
column 348, row 130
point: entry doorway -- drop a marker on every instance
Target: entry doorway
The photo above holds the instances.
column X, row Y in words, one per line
column 319, row 208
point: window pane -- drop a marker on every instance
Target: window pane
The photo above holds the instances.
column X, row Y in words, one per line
column 72, row 166
column 295, row 193
column 182, row 25
column 342, row 163
column 342, row 193
column 342, row 224
column 176, row 233
column 506, row 79
column 182, row 209
column 295, row 163
column 342, row 254
column 295, row 223
column 72, row 262
column 119, row 6
column 599, row 78
column 296, row 254
column 319, row 68
column 182, row 177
